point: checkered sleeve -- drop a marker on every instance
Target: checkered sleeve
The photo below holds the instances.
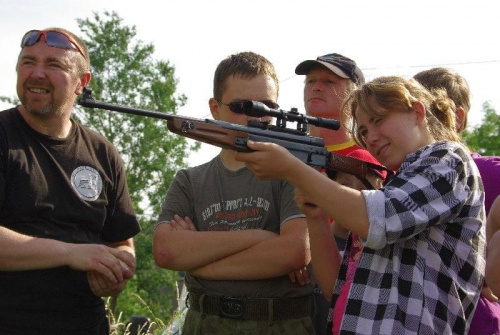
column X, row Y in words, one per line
column 431, row 187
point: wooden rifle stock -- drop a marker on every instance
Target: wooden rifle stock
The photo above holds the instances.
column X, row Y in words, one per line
column 206, row 132
column 341, row 163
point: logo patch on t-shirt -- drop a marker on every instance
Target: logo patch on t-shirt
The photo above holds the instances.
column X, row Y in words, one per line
column 87, row 182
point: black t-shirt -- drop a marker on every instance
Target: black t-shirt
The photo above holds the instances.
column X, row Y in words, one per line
column 73, row 190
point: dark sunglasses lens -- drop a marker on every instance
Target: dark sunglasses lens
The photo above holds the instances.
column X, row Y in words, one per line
column 57, row 40
column 237, row 107
column 30, row 38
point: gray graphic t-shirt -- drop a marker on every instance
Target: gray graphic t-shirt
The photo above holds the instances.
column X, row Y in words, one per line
column 218, row 199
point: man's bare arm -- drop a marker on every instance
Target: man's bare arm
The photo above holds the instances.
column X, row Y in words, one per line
column 268, row 259
column 179, row 247
column 20, row 252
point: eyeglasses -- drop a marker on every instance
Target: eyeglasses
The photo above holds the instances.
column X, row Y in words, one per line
column 53, row 38
column 238, row 106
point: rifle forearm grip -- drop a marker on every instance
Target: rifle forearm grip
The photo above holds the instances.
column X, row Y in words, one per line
column 349, row 165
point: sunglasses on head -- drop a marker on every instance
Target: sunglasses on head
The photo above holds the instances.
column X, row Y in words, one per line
column 53, row 38
column 238, row 106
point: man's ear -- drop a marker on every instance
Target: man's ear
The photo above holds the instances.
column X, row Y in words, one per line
column 214, row 108
column 84, row 82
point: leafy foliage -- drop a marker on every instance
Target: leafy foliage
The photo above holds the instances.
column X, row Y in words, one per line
column 484, row 138
column 14, row 101
column 125, row 72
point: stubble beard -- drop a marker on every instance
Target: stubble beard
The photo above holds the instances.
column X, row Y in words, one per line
column 44, row 112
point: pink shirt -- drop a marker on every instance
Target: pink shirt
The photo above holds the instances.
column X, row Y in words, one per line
column 340, row 305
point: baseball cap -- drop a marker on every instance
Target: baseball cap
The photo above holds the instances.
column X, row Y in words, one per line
column 340, row 65
column 365, row 156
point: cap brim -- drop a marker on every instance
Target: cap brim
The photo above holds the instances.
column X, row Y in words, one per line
column 305, row 67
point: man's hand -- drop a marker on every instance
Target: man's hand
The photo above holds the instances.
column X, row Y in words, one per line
column 100, row 285
column 103, row 287
column 301, row 275
column 179, row 223
column 114, row 264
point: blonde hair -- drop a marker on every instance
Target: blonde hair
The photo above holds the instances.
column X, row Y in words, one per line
column 455, row 85
column 396, row 93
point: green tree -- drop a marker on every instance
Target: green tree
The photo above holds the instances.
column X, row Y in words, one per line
column 484, row 138
column 125, row 72
column 14, row 101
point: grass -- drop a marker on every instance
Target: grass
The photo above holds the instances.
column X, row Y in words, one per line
column 151, row 327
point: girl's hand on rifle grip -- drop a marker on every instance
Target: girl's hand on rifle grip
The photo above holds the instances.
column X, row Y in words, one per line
column 268, row 161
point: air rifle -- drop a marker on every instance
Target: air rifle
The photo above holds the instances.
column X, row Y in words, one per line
column 310, row 150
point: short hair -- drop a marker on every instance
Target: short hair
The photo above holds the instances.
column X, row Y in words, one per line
column 399, row 93
column 454, row 84
column 244, row 64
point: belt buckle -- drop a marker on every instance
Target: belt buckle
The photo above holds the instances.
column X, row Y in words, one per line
column 233, row 308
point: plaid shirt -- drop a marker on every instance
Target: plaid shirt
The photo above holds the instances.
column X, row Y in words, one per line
column 423, row 262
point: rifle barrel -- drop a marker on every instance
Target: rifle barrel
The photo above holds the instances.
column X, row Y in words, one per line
column 88, row 101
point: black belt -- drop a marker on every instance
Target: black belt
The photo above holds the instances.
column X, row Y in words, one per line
column 243, row 308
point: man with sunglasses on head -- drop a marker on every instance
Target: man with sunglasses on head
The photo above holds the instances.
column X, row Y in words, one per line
column 66, row 218
column 237, row 238
column 328, row 81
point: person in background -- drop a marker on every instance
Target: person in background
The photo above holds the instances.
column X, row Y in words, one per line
column 458, row 90
column 423, row 235
column 66, row 218
column 328, row 80
column 237, row 238
column 493, row 240
column 487, row 315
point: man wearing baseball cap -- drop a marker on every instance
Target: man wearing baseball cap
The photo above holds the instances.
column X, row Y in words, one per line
column 329, row 79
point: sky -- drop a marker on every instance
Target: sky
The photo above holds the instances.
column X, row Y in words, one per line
column 385, row 37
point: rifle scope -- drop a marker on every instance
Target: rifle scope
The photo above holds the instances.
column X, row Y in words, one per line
column 258, row 109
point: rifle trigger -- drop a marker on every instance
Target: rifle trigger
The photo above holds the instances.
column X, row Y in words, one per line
column 186, row 126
